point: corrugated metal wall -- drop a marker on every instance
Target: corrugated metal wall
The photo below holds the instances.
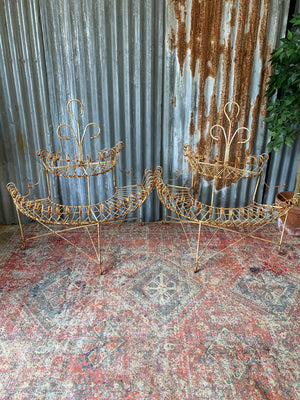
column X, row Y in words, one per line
column 152, row 73
column 222, row 50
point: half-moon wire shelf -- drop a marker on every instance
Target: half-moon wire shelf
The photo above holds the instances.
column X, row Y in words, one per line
column 181, row 201
column 124, row 202
column 251, row 167
column 75, row 168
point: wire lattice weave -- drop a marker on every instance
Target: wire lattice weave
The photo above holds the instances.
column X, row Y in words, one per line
column 123, row 202
column 251, row 167
column 180, row 201
column 74, row 168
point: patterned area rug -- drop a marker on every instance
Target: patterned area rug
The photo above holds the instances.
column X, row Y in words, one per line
column 149, row 328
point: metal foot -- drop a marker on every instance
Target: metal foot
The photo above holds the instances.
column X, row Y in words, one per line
column 281, row 252
column 100, row 269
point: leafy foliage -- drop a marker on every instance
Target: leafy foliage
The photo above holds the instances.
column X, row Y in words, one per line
column 284, row 113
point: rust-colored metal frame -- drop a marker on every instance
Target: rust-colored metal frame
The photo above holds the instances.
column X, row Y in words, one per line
column 116, row 209
column 228, row 168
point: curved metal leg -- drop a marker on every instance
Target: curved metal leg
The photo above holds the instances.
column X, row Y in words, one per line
column 21, row 230
column 99, row 249
column 197, row 254
column 282, row 233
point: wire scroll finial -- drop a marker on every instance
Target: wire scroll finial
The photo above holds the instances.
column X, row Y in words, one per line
column 78, row 138
column 229, row 137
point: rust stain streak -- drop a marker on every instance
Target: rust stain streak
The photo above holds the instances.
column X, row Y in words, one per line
column 247, row 26
column 243, row 63
column 192, row 128
column 210, row 14
column 226, row 69
column 21, row 143
column 180, row 14
column 174, row 101
column 172, row 40
column 260, row 105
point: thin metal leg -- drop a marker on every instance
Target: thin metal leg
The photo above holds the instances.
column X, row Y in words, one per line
column 187, row 239
column 21, row 230
column 282, row 233
column 99, row 249
column 92, row 241
column 89, row 190
column 206, row 245
column 232, row 244
column 256, row 187
column 112, row 236
column 58, row 233
column 198, row 242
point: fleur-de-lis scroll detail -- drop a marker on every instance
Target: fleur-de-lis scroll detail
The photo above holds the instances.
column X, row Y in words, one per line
column 79, row 138
column 229, row 137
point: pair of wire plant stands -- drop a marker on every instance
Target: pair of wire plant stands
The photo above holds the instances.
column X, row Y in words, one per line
column 179, row 200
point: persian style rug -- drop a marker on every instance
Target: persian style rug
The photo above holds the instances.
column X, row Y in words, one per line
column 149, row 328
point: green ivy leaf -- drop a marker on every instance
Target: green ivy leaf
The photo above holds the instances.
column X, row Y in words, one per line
column 284, row 111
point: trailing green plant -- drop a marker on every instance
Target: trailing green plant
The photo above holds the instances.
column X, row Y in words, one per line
column 284, row 113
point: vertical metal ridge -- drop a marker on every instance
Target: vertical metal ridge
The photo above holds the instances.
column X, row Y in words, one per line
column 23, row 100
column 217, row 62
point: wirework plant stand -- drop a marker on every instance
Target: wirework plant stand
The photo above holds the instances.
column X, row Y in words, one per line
column 50, row 214
column 229, row 169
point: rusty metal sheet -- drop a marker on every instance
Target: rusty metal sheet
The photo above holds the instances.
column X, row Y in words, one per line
column 222, row 50
column 152, row 73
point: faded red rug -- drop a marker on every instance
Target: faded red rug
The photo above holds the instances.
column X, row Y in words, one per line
column 149, row 328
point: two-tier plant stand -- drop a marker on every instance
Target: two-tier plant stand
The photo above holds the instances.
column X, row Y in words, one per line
column 50, row 214
column 226, row 168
